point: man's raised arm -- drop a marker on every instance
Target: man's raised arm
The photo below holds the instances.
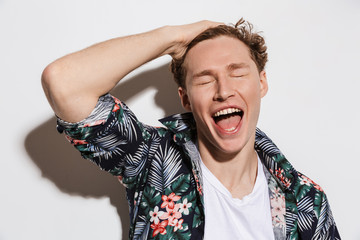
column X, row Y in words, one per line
column 74, row 82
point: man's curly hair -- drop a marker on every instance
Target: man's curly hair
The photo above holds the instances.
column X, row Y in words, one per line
column 242, row 30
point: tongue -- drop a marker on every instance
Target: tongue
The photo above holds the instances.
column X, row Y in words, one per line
column 229, row 123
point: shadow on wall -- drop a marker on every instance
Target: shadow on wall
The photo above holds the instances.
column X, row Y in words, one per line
column 63, row 165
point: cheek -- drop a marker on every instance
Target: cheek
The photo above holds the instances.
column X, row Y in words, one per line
column 251, row 94
column 199, row 97
column 196, row 104
column 249, row 87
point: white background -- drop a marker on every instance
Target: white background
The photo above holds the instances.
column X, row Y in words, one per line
column 311, row 111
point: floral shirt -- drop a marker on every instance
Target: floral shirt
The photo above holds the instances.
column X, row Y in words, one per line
column 160, row 168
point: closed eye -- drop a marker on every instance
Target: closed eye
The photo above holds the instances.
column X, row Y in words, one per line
column 237, row 76
column 203, row 80
column 238, row 70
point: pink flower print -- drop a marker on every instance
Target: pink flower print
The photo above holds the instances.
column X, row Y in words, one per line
column 171, row 214
column 305, row 181
column 155, row 215
column 279, row 175
column 117, row 101
column 287, row 182
column 120, row 179
column 178, row 224
column 184, row 207
column 116, row 108
column 117, row 104
column 277, row 207
column 159, row 228
column 97, row 122
column 197, row 182
column 278, row 211
column 318, row 188
column 75, row 141
column 169, row 201
column 277, row 192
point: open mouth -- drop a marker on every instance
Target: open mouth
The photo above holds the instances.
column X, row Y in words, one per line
column 228, row 119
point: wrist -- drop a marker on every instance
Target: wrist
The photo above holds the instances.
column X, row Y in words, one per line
column 173, row 40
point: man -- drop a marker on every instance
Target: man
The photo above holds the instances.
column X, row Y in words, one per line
column 210, row 173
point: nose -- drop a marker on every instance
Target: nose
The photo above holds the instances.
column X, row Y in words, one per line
column 224, row 89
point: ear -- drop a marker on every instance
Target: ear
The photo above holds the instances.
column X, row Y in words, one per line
column 263, row 84
column 184, row 98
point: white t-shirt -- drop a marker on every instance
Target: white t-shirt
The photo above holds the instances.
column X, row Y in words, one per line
column 232, row 218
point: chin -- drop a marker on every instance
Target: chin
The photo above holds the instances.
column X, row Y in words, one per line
column 244, row 139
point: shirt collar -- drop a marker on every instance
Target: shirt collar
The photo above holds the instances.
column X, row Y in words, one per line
column 182, row 125
column 273, row 159
column 184, row 128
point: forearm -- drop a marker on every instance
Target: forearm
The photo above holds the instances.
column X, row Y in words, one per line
column 83, row 76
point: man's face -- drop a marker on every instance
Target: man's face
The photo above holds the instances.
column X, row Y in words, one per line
column 223, row 91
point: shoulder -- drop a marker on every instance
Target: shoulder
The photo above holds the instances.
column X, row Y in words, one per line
column 315, row 219
column 305, row 190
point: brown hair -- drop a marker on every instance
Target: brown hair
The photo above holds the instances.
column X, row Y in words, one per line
column 242, row 30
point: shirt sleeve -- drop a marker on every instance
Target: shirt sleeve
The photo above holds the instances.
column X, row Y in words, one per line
column 325, row 227
column 111, row 137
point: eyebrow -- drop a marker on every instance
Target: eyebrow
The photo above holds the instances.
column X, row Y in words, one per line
column 230, row 67
column 234, row 66
column 203, row 73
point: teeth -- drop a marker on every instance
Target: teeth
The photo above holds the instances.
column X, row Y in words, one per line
column 230, row 129
column 226, row 111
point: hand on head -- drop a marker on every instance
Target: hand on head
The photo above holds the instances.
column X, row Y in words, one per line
column 186, row 33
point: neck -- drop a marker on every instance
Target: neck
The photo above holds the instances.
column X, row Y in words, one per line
column 236, row 171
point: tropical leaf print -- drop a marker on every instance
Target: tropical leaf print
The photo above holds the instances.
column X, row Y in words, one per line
column 317, row 204
column 128, row 123
column 325, row 221
column 182, row 234
column 180, row 185
column 179, row 122
column 197, row 218
column 263, row 145
column 301, row 191
column 165, row 167
column 146, row 131
column 141, row 230
column 305, row 213
column 150, row 199
column 134, row 163
column 161, row 131
column 291, row 219
column 128, row 182
column 171, row 124
column 154, row 145
column 106, row 145
column 137, row 198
